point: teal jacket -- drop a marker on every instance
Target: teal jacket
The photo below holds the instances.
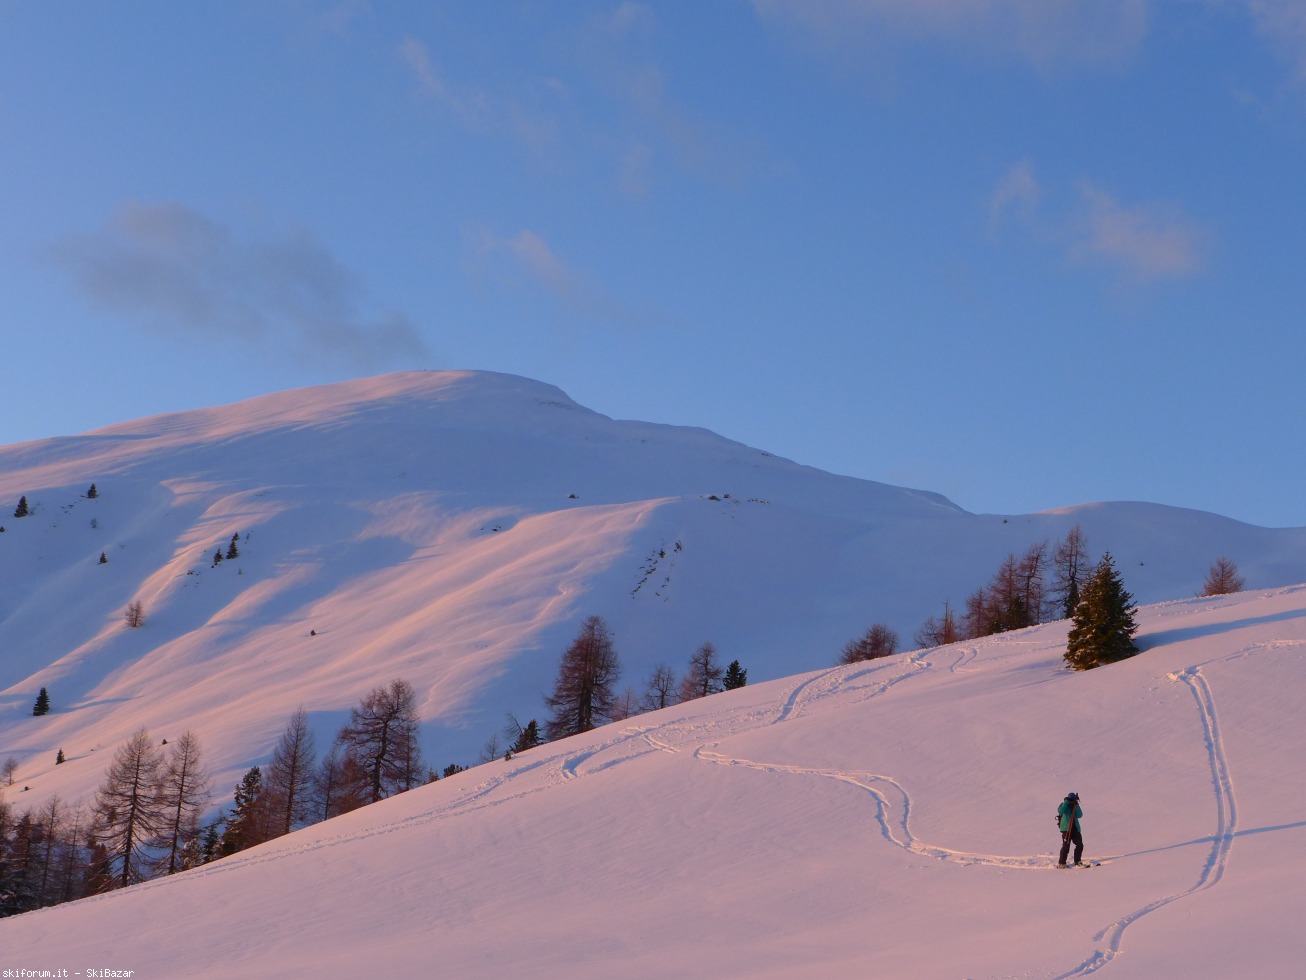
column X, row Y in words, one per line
column 1063, row 811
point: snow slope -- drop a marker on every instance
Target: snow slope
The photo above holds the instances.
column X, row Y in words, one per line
column 891, row 818
column 454, row 529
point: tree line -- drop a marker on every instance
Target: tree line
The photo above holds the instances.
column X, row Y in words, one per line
column 1044, row 583
column 145, row 819
column 584, row 694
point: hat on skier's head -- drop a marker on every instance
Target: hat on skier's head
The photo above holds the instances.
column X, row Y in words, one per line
column 1072, row 796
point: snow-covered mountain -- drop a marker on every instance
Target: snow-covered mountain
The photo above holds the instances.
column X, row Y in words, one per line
column 891, row 818
column 453, row 529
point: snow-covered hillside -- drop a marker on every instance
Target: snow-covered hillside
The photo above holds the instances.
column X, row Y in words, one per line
column 453, row 529
column 891, row 818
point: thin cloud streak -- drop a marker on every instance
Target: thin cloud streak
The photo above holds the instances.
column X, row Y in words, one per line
column 1144, row 242
column 177, row 273
column 1283, row 22
column 1149, row 242
column 1046, row 33
column 471, row 107
column 1017, row 195
column 527, row 256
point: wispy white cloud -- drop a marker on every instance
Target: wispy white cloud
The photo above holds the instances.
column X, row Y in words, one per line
column 175, row 272
column 512, row 112
column 534, row 255
column 470, row 105
column 527, row 257
column 1048, row 33
column 635, row 176
column 1017, row 194
column 630, row 17
column 339, row 17
column 1283, row 23
column 1146, row 241
column 1142, row 242
column 599, row 95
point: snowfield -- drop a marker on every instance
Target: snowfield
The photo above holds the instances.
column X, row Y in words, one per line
column 890, row 818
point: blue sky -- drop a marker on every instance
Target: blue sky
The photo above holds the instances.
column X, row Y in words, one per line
column 1026, row 253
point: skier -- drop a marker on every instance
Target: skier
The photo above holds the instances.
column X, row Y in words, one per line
column 1068, row 816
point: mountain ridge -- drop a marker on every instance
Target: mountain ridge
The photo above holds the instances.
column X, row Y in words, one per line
column 453, row 528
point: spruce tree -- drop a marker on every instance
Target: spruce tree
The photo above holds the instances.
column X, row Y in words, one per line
column 21, row 510
column 211, row 842
column 735, row 676
column 248, row 824
column 528, row 738
column 42, row 706
column 1103, row 626
column 92, row 493
column 232, row 550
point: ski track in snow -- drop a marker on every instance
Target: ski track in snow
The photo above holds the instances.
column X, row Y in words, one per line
column 1226, row 809
column 965, row 656
column 893, row 802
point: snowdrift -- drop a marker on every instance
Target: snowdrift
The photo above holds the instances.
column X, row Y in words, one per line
column 890, row 818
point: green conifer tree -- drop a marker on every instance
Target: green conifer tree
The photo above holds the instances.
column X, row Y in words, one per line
column 42, row 706
column 22, row 509
column 1103, row 626
column 735, row 676
column 211, row 842
column 247, row 824
column 527, row 738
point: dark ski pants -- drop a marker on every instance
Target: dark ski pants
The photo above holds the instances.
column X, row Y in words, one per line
column 1071, row 836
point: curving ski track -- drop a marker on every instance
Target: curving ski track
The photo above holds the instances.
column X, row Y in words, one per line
column 894, row 803
column 1226, row 808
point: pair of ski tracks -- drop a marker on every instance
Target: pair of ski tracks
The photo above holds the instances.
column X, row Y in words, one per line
column 893, row 802
column 1226, row 807
column 896, row 829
